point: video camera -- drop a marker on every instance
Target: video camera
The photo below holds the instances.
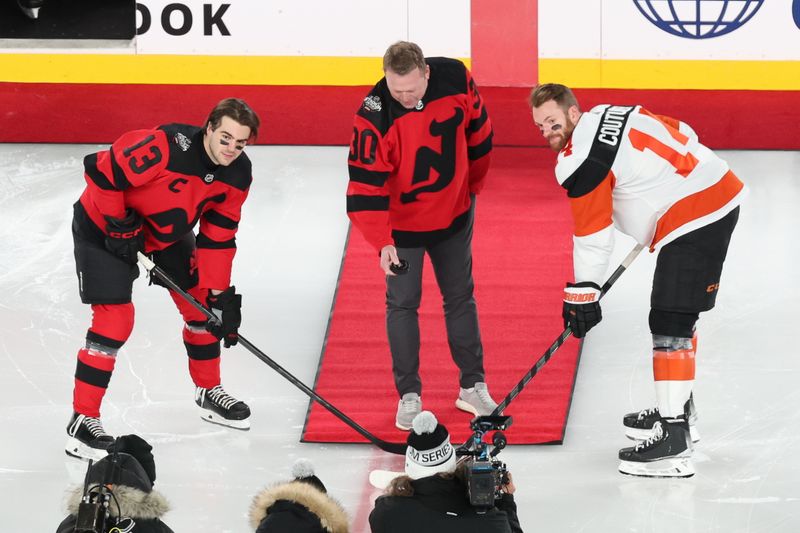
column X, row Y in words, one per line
column 93, row 511
column 485, row 474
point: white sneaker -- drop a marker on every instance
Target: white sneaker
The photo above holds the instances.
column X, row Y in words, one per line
column 407, row 408
column 476, row 400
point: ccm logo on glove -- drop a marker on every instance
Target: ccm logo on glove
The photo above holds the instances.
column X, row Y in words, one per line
column 125, row 235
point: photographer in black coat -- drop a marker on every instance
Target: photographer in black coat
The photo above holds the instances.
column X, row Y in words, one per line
column 298, row 506
column 432, row 495
column 128, row 474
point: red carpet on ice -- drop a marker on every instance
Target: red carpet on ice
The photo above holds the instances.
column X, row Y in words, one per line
column 521, row 259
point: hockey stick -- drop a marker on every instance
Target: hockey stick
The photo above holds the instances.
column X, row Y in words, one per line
column 391, row 447
column 564, row 335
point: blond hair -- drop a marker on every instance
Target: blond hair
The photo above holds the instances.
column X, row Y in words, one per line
column 403, row 57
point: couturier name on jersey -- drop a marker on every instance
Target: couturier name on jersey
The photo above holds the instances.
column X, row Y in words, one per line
column 612, row 124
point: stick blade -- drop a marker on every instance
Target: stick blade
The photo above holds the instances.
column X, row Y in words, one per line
column 391, row 447
column 380, row 479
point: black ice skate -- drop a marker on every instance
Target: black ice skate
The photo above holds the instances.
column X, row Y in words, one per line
column 639, row 426
column 219, row 407
column 668, row 453
column 87, row 438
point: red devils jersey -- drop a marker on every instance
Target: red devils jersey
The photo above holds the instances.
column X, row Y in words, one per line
column 412, row 170
column 166, row 176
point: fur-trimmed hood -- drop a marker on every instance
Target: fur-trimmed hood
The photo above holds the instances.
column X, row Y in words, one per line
column 330, row 513
column 133, row 502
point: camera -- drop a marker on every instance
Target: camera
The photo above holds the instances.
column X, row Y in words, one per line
column 485, row 474
column 93, row 511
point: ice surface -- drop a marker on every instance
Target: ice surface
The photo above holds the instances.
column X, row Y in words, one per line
column 291, row 240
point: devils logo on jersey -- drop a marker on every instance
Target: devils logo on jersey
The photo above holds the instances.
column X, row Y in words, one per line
column 443, row 162
column 176, row 221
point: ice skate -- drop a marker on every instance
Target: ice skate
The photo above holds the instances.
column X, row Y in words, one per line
column 476, row 400
column 668, row 453
column 86, row 438
column 407, row 408
column 219, row 407
column 639, row 426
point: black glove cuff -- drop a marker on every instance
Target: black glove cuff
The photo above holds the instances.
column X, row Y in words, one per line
column 584, row 284
column 223, row 299
column 131, row 221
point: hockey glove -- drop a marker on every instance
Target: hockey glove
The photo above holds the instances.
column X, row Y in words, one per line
column 124, row 237
column 581, row 310
column 140, row 450
column 227, row 305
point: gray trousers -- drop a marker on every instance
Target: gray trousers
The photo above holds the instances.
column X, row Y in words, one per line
column 452, row 265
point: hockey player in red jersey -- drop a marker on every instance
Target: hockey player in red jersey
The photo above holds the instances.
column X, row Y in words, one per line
column 648, row 176
column 147, row 193
column 420, row 153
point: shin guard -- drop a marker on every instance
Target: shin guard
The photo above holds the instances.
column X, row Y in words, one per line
column 674, row 372
column 201, row 346
column 111, row 327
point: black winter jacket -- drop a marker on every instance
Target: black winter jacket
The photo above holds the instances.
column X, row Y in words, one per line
column 296, row 507
column 440, row 505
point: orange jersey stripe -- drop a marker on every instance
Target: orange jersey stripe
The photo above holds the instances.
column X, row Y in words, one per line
column 592, row 212
column 673, row 366
column 697, row 205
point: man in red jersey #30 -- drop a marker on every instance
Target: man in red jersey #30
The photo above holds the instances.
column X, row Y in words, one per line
column 648, row 176
column 421, row 145
column 146, row 193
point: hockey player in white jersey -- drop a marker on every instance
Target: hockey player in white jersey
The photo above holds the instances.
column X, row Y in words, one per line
column 649, row 177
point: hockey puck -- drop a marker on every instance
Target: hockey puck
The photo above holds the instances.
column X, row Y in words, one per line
column 400, row 269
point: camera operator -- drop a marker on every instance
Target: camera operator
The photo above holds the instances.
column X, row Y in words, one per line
column 124, row 480
column 432, row 495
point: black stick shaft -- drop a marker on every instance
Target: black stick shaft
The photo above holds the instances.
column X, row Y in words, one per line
column 564, row 335
column 391, row 447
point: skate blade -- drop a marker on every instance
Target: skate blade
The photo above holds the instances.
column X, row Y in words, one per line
column 680, row 467
column 79, row 450
column 644, row 434
column 214, row 418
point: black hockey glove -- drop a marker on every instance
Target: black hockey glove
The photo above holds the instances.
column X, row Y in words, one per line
column 141, row 451
column 227, row 305
column 124, row 237
column 581, row 310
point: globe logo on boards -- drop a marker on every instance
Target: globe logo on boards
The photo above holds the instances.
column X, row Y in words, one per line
column 796, row 12
column 698, row 19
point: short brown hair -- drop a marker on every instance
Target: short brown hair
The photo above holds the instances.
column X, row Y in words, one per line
column 545, row 92
column 238, row 110
column 403, row 57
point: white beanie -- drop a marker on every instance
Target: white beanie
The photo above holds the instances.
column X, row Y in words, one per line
column 429, row 450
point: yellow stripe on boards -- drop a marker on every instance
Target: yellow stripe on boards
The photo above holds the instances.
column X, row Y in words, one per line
column 671, row 74
column 191, row 70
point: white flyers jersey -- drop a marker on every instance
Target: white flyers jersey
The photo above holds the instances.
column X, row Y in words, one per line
column 645, row 174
